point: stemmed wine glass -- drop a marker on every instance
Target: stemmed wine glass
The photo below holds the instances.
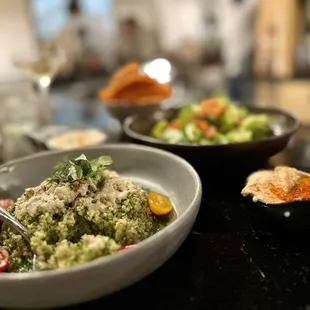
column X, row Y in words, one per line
column 42, row 71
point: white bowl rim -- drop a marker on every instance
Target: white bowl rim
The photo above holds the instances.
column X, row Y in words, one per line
column 100, row 262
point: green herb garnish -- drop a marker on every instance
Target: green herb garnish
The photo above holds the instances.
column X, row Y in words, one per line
column 79, row 168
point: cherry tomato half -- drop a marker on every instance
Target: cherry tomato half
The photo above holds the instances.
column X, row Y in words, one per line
column 5, row 203
column 159, row 204
column 125, row 247
column 4, row 259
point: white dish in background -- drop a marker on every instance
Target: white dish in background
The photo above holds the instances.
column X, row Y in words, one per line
column 44, row 138
column 76, row 138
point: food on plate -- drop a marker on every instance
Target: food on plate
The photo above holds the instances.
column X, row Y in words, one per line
column 4, row 259
column 213, row 121
column 76, row 138
column 125, row 247
column 130, row 84
column 81, row 212
column 281, row 185
column 5, row 203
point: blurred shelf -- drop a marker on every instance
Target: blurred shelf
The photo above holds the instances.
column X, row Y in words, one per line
column 291, row 95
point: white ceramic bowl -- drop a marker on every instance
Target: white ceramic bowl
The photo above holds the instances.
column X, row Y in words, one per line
column 73, row 138
column 149, row 167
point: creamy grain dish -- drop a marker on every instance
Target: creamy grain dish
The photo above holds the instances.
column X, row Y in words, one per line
column 82, row 212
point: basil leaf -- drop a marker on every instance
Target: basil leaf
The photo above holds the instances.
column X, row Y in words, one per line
column 84, row 165
column 75, row 173
column 101, row 163
column 81, row 157
column 76, row 169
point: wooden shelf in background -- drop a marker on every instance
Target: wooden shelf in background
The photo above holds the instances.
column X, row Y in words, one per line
column 293, row 96
column 278, row 32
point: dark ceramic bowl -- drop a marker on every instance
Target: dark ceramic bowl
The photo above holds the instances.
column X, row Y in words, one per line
column 208, row 157
column 287, row 218
column 292, row 217
column 121, row 110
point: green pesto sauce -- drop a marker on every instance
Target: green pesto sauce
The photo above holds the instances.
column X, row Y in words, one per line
column 73, row 223
column 17, row 265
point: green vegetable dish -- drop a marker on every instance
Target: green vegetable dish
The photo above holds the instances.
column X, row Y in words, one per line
column 212, row 122
column 82, row 212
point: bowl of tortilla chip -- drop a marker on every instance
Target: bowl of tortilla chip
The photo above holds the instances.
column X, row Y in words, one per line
column 132, row 91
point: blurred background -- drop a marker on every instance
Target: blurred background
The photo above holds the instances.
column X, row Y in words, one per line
column 62, row 52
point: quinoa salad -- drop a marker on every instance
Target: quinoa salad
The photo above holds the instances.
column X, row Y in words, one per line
column 82, row 212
